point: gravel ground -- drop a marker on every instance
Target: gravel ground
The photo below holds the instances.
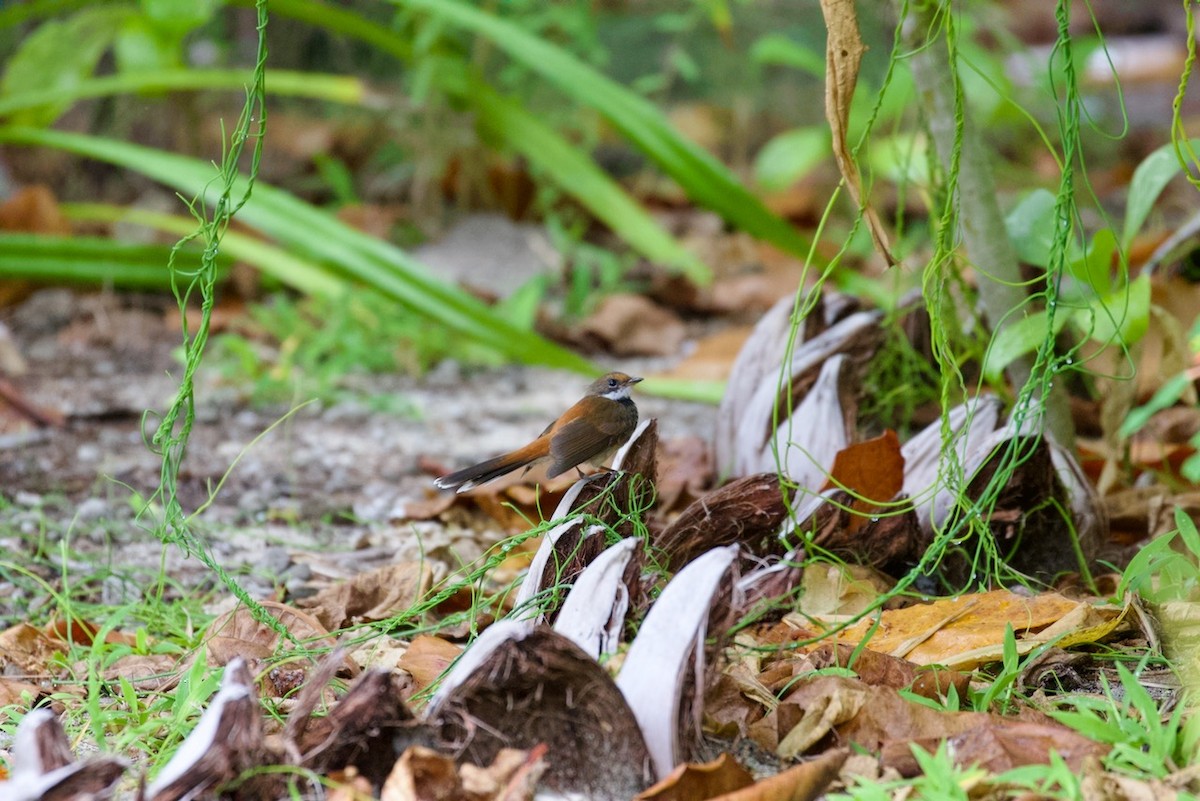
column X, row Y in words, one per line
column 323, row 486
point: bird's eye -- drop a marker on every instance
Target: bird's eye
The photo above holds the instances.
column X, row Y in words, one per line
column 612, row 382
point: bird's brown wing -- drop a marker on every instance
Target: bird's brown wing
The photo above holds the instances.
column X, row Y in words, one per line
column 579, row 441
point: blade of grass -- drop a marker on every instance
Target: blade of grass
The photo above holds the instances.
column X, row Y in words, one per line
column 702, row 176
column 88, row 260
column 301, row 226
column 300, row 274
column 316, row 86
column 507, row 121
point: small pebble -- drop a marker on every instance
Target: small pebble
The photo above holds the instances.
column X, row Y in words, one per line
column 92, row 509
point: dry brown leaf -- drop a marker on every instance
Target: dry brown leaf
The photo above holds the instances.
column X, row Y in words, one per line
column 28, row 650
column 712, row 357
column 881, row 721
column 695, row 782
column 873, row 470
column 427, row 658
column 633, row 325
column 147, row 673
column 422, row 774
column 843, row 53
column 34, row 210
column 941, row 632
column 512, row 776
column 802, row 782
column 1000, row 744
column 237, row 633
column 11, row 692
column 84, row 633
column 370, row 596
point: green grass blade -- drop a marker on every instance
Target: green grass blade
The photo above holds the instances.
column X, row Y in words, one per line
column 299, row 274
column 505, row 120
column 702, row 176
column 88, row 260
column 311, row 231
column 315, row 86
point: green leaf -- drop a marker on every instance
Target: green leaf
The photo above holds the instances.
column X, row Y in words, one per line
column 1016, row 339
column 790, row 156
column 180, row 16
column 775, row 48
column 310, row 231
column 58, row 55
column 1166, row 397
column 1031, row 227
column 142, row 48
column 506, row 121
column 706, row 180
column 1149, row 180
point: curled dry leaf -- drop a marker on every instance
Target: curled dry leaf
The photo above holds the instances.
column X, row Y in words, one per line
column 844, row 50
column 14, row 693
column 879, row 720
column 236, row 633
column 634, row 325
column 747, row 512
column 27, row 650
column 148, row 672
column 804, row 782
column 705, row 780
column 375, row 595
column 427, row 658
column 516, row 687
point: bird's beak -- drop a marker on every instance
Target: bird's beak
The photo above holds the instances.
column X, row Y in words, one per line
column 635, row 380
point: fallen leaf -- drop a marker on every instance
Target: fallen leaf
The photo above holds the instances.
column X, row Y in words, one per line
column 633, row 325
column 12, row 693
column 237, row 634
column 28, row 650
column 33, row 210
column 953, row 631
column 688, row 781
column 421, row 775
column 803, row 782
column 873, row 471
column 147, row 673
column 427, row 659
column 374, row 595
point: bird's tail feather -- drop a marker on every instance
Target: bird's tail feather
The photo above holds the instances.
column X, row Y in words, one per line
column 471, row 477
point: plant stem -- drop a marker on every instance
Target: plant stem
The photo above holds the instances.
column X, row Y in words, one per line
column 981, row 222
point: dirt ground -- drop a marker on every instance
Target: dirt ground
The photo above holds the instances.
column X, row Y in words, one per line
column 324, row 490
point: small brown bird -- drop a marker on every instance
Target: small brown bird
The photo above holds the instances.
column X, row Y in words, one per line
column 590, row 431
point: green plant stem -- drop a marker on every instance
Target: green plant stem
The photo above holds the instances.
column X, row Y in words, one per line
column 979, row 216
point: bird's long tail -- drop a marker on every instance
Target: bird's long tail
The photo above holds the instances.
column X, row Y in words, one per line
column 471, row 477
